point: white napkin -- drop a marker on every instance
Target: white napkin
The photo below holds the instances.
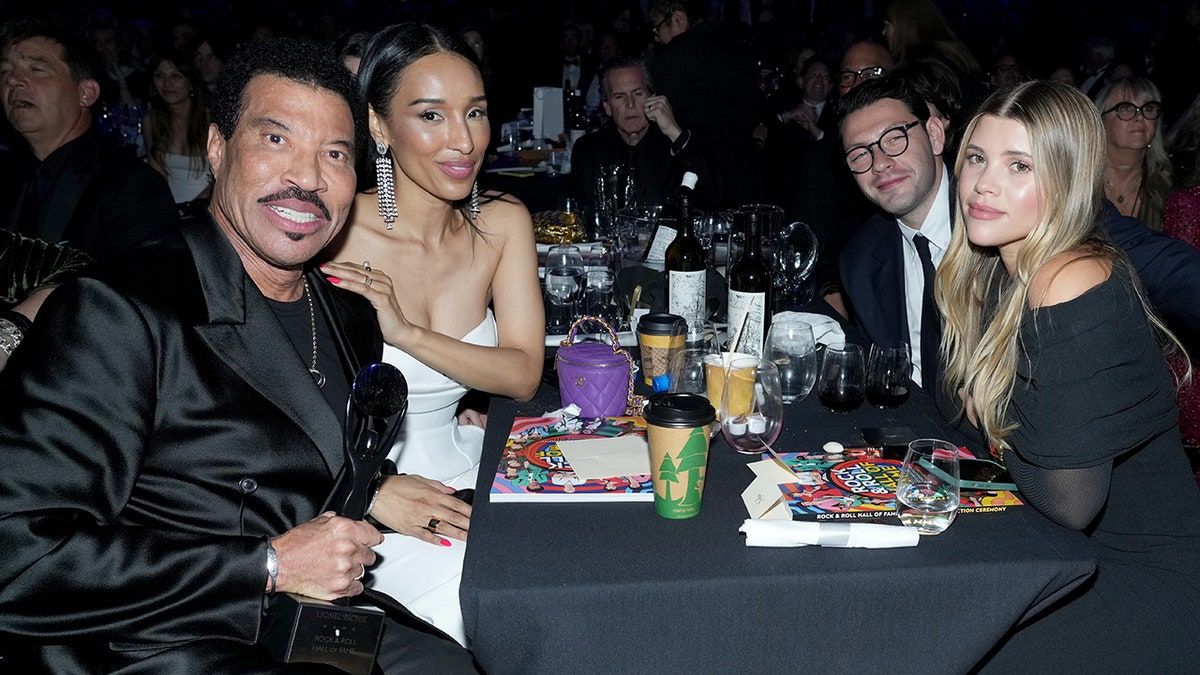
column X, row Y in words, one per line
column 782, row 533
column 826, row 330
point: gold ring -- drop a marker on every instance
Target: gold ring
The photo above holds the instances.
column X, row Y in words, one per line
column 433, row 524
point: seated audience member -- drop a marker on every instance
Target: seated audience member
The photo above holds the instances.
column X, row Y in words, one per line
column 805, row 172
column 349, row 48
column 1098, row 61
column 72, row 186
column 645, row 135
column 1137, row 173
column 917, row 29
column 176, row 127
column 1054, row 356
column 453, row 273
column 122, row 82
column 1181, row 220
column 935, row 82
column 863, row 61
column 901, row 169
column 170, row 463
column 209, row 57
column 570, row 66
column 1006, row 72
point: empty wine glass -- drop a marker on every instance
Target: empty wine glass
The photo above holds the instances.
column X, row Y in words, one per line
column 889, row 375
column 927, row 491
column 794, row 259
column 791, row 348
column 751, row 405
column 600, row 301
column 564, row 284
column 843, row 377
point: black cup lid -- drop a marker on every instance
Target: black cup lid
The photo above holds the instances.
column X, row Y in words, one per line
column 661, row 324
column 678, row 411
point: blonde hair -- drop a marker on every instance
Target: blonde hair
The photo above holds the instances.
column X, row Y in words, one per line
column 982, row 304
column 1157, row 173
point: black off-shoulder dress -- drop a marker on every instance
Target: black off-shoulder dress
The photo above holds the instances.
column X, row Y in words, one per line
column 1098, row 449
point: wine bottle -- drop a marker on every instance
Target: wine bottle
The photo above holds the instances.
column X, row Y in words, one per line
column 686, row 294
column 749, row 289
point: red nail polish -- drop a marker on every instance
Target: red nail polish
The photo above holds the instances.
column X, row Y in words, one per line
column 334, row 280
column 445, row 542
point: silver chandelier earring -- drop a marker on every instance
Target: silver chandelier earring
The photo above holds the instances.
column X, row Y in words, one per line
column 473, row 207
column 385, row 189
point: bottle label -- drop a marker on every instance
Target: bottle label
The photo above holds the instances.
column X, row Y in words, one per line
column 755, row 305
column 687, row 298
column 657, row 253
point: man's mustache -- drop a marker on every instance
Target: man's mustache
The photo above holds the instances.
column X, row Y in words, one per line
column 294, row 192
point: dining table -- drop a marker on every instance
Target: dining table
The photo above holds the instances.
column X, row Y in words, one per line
column 614, row 588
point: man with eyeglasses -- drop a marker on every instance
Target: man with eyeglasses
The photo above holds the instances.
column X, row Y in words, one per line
column 893, row 148
column 863, row 61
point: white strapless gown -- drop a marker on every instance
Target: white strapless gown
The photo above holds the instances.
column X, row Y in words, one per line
column 432, row 444
column 185, row 181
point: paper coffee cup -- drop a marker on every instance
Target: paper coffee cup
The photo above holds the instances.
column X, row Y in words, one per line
column 661, row 337
column 677, row 427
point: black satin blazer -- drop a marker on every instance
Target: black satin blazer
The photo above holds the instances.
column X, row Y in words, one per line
column 157, row 429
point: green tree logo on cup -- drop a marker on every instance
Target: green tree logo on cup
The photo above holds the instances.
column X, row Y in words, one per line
column 677, row 428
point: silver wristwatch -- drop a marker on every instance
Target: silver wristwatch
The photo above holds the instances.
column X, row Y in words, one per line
column 10, row 336
column 272, row 564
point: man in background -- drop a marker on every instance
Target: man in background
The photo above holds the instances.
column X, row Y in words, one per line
column 70, row 185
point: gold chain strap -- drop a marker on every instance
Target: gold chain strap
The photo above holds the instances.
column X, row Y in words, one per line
column 633, row 403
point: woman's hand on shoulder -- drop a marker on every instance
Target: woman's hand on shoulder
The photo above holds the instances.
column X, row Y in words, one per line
column 1067, row 276
column 376, row 286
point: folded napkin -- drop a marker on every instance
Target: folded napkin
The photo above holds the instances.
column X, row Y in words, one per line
column 826, row 330
column 780, row 533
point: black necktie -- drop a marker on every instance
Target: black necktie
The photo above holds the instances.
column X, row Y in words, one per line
column 931, row 325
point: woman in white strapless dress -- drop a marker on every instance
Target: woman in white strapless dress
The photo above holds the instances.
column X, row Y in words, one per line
column 457, row 295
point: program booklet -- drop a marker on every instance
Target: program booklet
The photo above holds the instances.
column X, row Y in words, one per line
column 533, row 468
column 861, row 485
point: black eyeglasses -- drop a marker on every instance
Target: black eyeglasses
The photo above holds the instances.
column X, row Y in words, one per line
column 892, row 143
column 658, row 25
column 1127, row 111
column 847, row 78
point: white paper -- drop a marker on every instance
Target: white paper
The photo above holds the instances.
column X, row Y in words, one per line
column 787, row 533
column 764, row 501
column 607, row 457
column 547, row 112
column 826, row 330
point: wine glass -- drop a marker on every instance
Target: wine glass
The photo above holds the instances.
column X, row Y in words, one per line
column 889, row 375
column 791, row 348
column 927, row 490
column 564, row 285
column 751, row 405
column 842, row 381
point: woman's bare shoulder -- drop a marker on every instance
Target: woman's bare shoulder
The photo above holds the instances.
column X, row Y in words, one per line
column 501, row 212
column 1067, row 276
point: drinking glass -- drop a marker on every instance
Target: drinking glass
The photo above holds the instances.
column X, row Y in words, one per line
column 791, row 348
column 843, row 377
column 564, row 284
column 751, row 405
column 792, row 265
column 889, row 375
column 599, row 299
column 691, row 378
column 927, row 490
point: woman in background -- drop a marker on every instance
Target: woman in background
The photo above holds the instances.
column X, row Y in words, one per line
column 1137, row 175
column 1051, row 351
column 176, row 127
column 453, row 275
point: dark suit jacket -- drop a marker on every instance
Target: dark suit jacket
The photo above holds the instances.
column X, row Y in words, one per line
column 104, row 201
column 1169, row 268
column 165, row 430
column 872, row 268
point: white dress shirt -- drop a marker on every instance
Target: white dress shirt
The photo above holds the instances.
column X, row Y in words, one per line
column 936, row 229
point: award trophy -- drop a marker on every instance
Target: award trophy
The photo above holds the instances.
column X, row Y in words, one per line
column 302, row 629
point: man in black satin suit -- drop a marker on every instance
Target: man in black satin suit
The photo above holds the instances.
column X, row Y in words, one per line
column 171, row 432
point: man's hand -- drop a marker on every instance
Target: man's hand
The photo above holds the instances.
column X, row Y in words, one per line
column 326, row 557
column 408, row 504
column 659, row 111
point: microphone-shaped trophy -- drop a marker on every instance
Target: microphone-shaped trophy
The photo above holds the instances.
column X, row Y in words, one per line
column 302, row 629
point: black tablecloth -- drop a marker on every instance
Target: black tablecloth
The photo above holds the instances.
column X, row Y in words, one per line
column 615, row 588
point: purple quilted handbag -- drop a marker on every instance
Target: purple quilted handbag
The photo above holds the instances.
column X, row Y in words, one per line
column 595, row 376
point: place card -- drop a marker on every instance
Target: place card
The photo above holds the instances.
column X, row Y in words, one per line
column 607, row 457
